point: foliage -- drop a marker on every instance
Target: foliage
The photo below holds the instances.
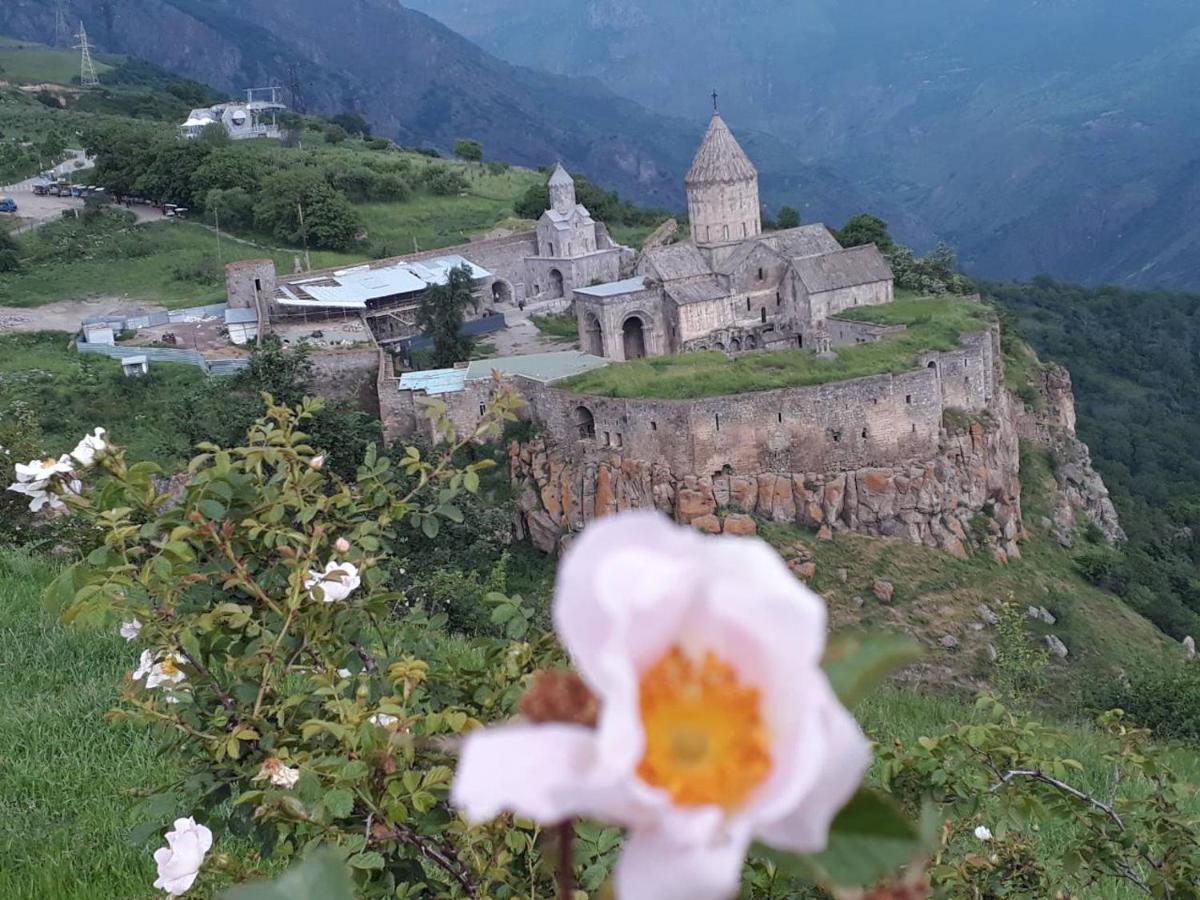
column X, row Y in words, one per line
column 352, row 123
column 865, row 228
column 441, row 315
column 442, row 181
column 1137, row 392
column 335, row 134
column 300, row 207
column 788, row 217
column 9, row 261
column 1019, row 671
column 933, row 274
column 1164, row 698
column 220, row 580
column 1009, row 775
column 232, row 209
column 471, row 151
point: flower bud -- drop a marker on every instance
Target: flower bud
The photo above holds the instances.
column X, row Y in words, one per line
column 317, row 462
column 342, row 545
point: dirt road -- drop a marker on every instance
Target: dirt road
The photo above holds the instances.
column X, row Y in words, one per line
column 66, row 315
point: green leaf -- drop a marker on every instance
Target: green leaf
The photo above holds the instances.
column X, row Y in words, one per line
column 369, row 860
column 869, row 839
column 320, row 877
column 430, row 526
column 857, row 664
column 211, row 509
column 340, row 803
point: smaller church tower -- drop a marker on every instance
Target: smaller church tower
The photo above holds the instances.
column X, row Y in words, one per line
column 722, row 189
column 562, row 191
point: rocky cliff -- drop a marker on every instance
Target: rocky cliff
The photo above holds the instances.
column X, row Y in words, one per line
column 1082, row 495
column 964, row 499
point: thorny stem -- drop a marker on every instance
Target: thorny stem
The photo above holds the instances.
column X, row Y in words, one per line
column 225, row 699
column 443, row 856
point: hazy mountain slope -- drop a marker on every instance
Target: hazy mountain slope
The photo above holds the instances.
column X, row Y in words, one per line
column 416, row 81
column 1037, row 135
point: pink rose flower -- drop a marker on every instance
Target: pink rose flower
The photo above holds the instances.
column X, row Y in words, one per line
column 716, row 725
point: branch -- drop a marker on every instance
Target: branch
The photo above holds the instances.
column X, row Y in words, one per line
column 225, row 699
column 442, row 856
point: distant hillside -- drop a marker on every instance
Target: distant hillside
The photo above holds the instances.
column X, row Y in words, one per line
column 417, row 82
column 1036, row 135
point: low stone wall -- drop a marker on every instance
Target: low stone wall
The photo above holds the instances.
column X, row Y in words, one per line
column 846, row 331
column 347, row 375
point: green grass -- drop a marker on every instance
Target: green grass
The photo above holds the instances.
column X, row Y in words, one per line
column 177, row 266
column 25, row 62
column 68, row 777
column 71, row 393
column 563, row 327
column 934, row 323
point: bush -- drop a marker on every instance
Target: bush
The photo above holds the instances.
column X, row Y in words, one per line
column 443, row 182
column 330, row 222
column 1165, row 699
column 335, row 134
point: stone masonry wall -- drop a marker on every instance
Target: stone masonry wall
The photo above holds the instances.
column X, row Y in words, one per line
column 869, row 455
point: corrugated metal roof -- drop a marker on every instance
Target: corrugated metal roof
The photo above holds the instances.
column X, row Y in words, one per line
column 352, row 288
column 240, row 316
column 544, row 367
column 614, row 288
column 434, row 381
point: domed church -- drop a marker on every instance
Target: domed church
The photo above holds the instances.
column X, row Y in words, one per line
column 731, row 286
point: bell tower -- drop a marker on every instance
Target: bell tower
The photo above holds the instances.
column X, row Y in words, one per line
column 722, row 188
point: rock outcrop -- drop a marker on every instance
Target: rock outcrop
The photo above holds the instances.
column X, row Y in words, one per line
column 969, row 493
column 1081, row 491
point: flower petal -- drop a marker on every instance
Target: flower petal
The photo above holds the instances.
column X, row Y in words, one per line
column 653, row 867
column 805, row 829
column 540, row 772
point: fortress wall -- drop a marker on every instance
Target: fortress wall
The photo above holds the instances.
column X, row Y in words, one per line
column 346, row 375
column 792, row 455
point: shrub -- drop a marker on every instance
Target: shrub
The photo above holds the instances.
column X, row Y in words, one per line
column 443, row 182
column 1163, row 698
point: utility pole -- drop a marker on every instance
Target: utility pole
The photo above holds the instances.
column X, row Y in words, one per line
column 217, row 217
column 87, row 68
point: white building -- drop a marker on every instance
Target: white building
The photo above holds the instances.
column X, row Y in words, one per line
column 254, row 118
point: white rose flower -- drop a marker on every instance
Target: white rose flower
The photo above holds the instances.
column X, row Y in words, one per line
column 145, row 664
column 345, row 673
column 337, row 582
column 317, row 462
column 43, row 469
column 90, row 447
column 179, row 862
column 716, row 725
column 159, row 670
column 342, row 545
column 36, row 478
column 983, row 833
column 131, row 629
column 383, row 720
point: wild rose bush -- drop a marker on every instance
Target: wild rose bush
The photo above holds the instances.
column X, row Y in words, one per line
column 312, row 707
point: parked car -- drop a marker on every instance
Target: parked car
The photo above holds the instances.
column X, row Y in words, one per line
column 8, row 205
column 40, row 190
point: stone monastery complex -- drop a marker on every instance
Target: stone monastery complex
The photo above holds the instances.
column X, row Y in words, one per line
column 929, row 454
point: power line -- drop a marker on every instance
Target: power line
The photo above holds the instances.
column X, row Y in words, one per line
column 61, row 34
column 87, row 68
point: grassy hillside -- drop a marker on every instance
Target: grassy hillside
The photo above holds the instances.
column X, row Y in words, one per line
column 26, row 62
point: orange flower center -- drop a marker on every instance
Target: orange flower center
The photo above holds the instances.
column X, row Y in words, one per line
column 168, row 667
column 705, row 738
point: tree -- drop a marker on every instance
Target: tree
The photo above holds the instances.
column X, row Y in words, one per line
column 232, row 208
column 9, row 261
column 441, row 316
column 866, row 229
column 330, row 222
column 471, row 151
column 353, row 123
column 788, row 217
column 335, row 134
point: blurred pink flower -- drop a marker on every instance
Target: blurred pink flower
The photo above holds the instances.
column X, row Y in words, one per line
column 717, row 726
column 179, row 862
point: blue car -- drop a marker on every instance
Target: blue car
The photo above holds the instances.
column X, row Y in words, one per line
column 8, row 205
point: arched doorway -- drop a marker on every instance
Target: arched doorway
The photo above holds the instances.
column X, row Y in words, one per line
column 556, row 283
column 585, row 423
column 634, row 336
column 593, row 337
column 502, row 292
column 735, row 346
column 751, row 342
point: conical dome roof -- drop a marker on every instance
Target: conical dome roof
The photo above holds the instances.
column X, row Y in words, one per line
column 561, row 176
column 720, row 157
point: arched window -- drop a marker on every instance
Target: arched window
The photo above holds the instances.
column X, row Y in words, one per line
column 725, row 229
column 762, row 314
